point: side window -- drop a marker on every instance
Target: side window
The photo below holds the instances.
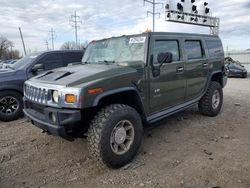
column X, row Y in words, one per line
column 193, row 49
column 215, row 48
column 163, row 46
column 51, row 61
column 72, row 57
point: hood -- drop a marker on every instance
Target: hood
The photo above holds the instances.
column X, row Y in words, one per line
column 79, row 74
column 13, row 77
column 7, row 72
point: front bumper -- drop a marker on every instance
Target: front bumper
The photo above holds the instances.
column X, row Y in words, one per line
column 58, row 122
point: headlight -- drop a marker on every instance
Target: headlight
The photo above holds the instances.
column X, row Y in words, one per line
column 55, row 96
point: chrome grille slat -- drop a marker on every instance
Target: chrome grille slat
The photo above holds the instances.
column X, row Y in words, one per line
column 36, row 94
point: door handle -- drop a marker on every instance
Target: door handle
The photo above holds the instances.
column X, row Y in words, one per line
column 205, row 64
column 180, row 69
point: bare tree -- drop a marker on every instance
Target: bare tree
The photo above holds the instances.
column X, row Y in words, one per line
column 71, row 45
column 5, row 44
column 11, row 54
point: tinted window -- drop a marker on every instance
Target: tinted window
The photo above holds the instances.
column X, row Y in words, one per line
column 215, row 48
column 70, row 57
column 167, row 46
column 193, row 49
column 51, row 61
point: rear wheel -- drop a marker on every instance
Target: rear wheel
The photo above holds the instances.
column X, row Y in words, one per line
column 11, row 105
column 211, row 103
column 115, row 135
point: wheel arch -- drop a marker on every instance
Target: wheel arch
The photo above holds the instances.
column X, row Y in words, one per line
column 217, row 77
column 11, row 89
column 128, row 96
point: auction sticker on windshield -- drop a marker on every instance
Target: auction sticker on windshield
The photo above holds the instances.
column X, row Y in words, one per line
column 134, row 40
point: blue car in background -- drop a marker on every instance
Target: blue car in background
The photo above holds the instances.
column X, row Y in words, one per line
column 13, row 76
column 7, row 63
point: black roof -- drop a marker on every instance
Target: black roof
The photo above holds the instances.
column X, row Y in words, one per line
column 182, row 34
column 162, row 34
column 53, row 51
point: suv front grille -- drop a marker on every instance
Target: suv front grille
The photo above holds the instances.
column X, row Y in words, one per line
column 39, row 95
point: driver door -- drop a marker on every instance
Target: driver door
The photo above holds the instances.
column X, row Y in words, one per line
column 167, row 89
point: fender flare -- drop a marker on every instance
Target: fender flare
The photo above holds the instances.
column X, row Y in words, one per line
column 12, row 88
column 111, row 92
column 209, row 80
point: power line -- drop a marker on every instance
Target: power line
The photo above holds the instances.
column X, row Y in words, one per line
column 52, row 33
column 75, row 19
column 154, row 4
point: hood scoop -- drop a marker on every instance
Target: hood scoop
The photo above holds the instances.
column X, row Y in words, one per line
column 54, row 76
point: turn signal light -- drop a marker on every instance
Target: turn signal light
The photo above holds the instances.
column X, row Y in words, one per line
column 69, row 98
column 95, row 90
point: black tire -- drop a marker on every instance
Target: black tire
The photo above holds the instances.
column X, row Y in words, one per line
column 4, row 116
column 206, row 103
column 244, row 75
column 101, row 129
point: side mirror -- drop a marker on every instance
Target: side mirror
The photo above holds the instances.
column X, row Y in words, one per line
column 165, row 58
column 37, row 67
column 161, row 58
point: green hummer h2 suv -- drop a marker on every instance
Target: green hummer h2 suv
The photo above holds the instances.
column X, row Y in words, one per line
column 124, row 83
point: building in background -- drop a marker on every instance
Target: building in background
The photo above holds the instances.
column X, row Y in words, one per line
column 242, row 56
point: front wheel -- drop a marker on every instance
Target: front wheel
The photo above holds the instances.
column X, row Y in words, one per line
column 244, row 75
column 11, row 105
column 115, row 135
column 211, row 103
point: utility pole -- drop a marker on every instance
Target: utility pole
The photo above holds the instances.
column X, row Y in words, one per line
column 75, row 19
column 153, row 12
column 47, row 44
column 11, row 51
column 52, row 33
column 24, row 49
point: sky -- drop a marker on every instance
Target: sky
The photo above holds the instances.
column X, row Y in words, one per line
column 107, row 18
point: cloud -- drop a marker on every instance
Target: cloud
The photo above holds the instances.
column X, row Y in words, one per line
column 101, row 19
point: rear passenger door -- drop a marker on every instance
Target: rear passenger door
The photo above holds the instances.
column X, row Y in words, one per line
column 196, row 67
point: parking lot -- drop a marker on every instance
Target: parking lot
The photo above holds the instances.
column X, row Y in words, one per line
column 185, row 150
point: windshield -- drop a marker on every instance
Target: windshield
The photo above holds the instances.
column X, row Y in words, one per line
column 25, row 61
column 122, row 49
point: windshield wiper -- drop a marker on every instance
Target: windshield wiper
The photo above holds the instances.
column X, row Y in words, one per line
column 85, row 62
column 107, row 62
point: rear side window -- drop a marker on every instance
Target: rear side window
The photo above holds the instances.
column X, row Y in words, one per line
column 215, row 48
column 71, row 57
column 193, row 49
column 164, row 46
